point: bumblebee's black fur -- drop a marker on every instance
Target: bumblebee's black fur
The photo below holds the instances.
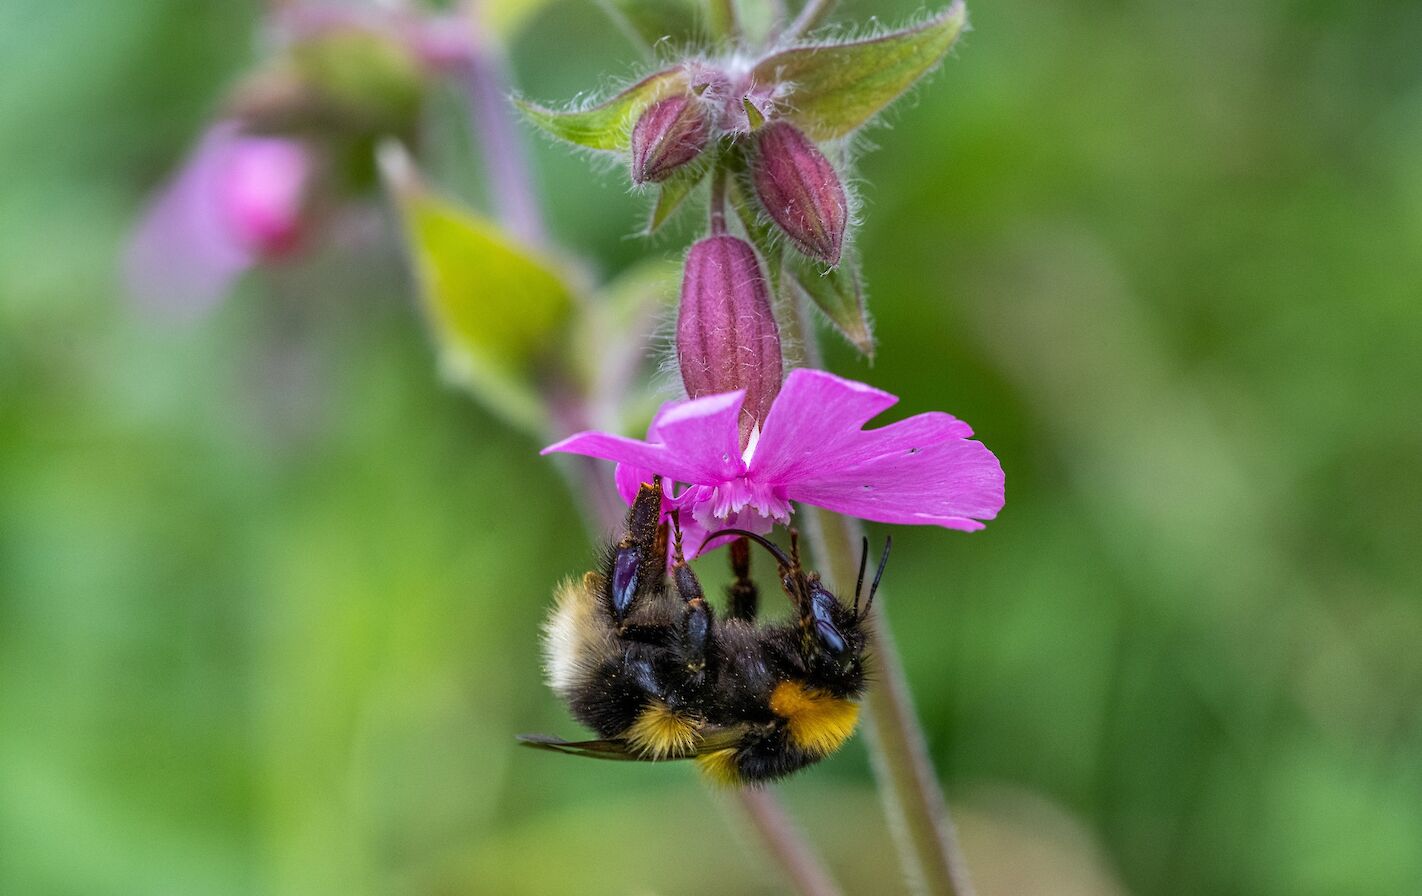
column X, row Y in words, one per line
column 649, row 666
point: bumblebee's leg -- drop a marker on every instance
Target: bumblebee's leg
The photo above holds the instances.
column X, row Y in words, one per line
column 636, row 566
column 693, row 634
column 743, row 598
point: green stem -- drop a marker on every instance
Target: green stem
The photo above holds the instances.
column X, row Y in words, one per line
column 718, row 201
column 913, row 799
column 811, row 14
column 722, row 17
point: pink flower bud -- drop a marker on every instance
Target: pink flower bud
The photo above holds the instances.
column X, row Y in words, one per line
column 800, row 190
column 726, row 337
column 669, row 134
column 236, row 201
column 262, row 191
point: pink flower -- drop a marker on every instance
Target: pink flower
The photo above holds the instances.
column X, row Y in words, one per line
column 236, row 201
column 813, row 449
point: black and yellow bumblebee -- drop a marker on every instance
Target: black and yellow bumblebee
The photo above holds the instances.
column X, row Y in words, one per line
column 648, row 665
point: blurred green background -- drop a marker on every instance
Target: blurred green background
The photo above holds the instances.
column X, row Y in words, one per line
column 269, row 592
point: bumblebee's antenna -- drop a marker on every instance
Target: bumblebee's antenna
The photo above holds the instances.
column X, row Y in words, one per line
column 761, row 540
column 859, row 585
column 879, row 573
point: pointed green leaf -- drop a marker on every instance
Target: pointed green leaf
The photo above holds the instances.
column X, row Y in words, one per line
column 840, row 295
column 607, row 126
column 672, row 193
column 495, row 308
column 753, row 115
column 836, row 88
column 653, row 22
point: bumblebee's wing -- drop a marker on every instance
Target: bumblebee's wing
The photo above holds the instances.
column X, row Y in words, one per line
column 593, row 749
column 618, row 751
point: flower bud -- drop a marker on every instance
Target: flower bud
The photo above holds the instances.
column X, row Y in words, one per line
column 800, row 190
column 262, row 191
column 726, row 337
column 669, row 134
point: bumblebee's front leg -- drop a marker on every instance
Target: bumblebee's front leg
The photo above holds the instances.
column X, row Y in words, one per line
column 636, row 565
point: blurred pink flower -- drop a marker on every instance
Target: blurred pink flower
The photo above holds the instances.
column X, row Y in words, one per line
column 236, row 201
column 813, row 449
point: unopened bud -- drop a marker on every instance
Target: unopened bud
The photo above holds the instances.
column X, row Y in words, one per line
column 262, row 191
column 726, row 337
column 669, row 134
column 800, row 190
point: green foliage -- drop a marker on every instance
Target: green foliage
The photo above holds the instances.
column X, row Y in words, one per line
column 362, row 78
column 672, row 192
column 839, row 293
column 837, row 88
column 495, row 308
column 607, row 126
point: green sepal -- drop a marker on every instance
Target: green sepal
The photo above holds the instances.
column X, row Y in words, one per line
column 672, row 192
column 497, row 310
column 836, row 88
column 607, row 126
column 839, row 294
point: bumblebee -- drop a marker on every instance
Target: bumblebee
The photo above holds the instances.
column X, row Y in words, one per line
column 642, row 658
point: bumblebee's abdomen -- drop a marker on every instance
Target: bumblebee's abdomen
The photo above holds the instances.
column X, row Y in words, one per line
column 609, row 701
column 815, row 721
column 809, row 726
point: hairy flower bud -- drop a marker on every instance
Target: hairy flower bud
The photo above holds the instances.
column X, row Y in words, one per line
column 669, row 134
column 726, row 337
column 800, row 190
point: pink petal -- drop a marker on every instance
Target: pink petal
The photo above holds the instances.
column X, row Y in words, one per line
column 817, row 426
column 696, row 442
column 184, row 255
column 922, row 470
column 952, row 484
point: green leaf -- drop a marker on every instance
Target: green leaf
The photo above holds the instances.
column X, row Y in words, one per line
column 496, row 309
column 839, row 294
column 607, row 126
column 676, row 22
column 836, row 88
column 672, row 193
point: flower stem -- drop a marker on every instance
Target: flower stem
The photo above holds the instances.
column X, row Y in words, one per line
column 718, row 201
column 505, row 162
column 799, row 862
column 722, row 17
column 811, row 14
column 913, row 799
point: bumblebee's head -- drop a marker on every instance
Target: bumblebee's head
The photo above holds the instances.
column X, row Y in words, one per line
column 834, row 640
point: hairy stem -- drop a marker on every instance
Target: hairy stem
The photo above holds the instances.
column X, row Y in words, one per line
column 800, row 864
column 811, row 15
column 505, row 161
column 718, row 201
column 721, row 15
column 913, row 799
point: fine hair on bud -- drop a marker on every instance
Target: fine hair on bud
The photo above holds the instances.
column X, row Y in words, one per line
column 669, row 134
column 726, row 335
column 800, row 190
